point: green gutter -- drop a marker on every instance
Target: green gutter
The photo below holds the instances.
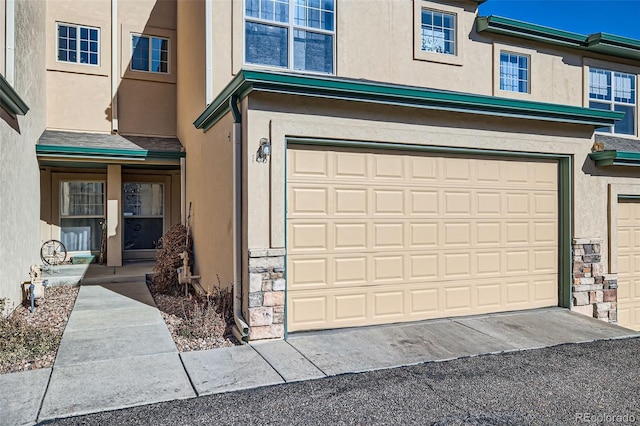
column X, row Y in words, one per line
column 247, row 81
column 615, row 158
column 606, row 44
column 85, row 152
column 10, row 100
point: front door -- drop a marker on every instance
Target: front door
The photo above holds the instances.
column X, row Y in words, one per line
column 143, row 218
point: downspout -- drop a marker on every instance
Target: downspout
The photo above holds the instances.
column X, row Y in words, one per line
column 183, row 190
column 10, row 38
column 240, row 329
column 114, row 66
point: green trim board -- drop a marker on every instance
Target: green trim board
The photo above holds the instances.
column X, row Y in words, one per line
column 615, row 158
column 105, row 153
column 606, row 44
column 565, row 195
column 10, row 100
column 329, row 87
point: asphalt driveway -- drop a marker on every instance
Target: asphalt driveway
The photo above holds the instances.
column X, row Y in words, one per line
column 587, row 383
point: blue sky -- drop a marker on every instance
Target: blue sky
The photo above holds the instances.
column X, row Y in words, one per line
column 619, row 17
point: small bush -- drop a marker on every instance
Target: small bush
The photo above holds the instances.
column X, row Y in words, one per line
column 165, row 271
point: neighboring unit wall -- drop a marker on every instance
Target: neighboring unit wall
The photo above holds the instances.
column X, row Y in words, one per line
column 19, row 172
column 209, row 161
column 80, row 95
column 147, row 100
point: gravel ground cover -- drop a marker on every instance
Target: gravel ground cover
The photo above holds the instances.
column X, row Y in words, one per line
column 29, row 341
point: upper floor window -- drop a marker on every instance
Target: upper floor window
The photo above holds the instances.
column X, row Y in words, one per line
column 292, row 34
column 614, row 91
column 514, row 72
column 438, row 32
column 150, row 54
column 78, row 44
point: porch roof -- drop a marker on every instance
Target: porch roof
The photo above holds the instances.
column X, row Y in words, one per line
column 616, row 151
column 71, row 146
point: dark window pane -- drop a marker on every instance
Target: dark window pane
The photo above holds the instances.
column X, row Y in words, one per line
column 266, row 45
column 84, row 33
column 93, row 58
column 84, row 58
column 327, row 21
column 84, row 45
column 72, row 45
column 313, row 52
column 81, row 234
column 63, row 31
column 62, row 55
column 72, row 32
column 93, row 46
column 626, row 126
column 140, row 58
column 600, row 105
column 252, row 8
column 266, row 12
column 73, row 57
column 141, row 233
column 93, row 35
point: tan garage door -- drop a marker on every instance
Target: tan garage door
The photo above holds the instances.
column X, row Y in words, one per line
column 629, row 264
column 383, row 237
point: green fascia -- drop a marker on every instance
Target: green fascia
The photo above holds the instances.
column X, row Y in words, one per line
column 615, row 158
column 247, row 81
column 10, row 100
column 123, row 154
column 606, row 44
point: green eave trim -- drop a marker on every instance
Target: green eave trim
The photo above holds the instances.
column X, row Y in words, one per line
column 123, row 154
column 247, row 81
column 10, row 100
column 615, row 158
column 605, row 44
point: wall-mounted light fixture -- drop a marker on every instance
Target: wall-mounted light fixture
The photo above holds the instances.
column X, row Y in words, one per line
column 264, row 151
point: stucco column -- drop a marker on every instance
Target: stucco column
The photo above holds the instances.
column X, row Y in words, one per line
column 114, row 215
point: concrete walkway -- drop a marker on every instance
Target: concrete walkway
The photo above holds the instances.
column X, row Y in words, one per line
column 116, row 352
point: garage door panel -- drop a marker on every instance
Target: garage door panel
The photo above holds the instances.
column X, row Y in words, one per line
column 308, row 164
column 351, row 201
column 405, row 237
column 350, row 166
column 389, row 167
column 628, row 235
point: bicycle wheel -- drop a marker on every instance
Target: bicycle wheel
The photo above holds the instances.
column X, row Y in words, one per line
column 53, row 252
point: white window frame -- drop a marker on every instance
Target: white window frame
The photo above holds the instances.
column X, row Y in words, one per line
column 453, row 29
column 151, row 37
column 460, row 32
column 291, row 27
column 612, row 102
column 78, row 28
column 528, row 69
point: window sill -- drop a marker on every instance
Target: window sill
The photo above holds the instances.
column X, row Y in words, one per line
column 440, row 58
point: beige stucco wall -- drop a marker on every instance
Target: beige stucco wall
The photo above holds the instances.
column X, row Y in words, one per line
column 209, row 163
column 80, row 96
column 278, row 116
column 388, row 53
column 19, row 172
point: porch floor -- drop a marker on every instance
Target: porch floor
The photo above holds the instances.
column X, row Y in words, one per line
column 97, row 274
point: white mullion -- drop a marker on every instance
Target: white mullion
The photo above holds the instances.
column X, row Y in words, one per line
column 291, row 42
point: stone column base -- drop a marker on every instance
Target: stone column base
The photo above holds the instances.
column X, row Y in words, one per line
column 595, row 293
column 266, row 294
